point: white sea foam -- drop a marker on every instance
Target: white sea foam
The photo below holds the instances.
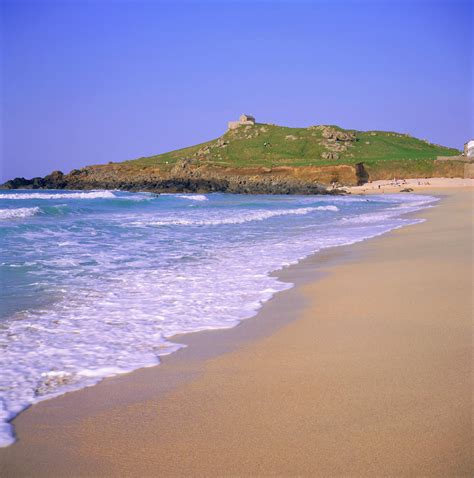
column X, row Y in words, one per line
column 18, row 212
column 390, row 212
column 193, row 197
column 239, row 218
column 71, row 195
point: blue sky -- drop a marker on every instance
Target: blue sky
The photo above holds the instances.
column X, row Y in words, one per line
column 87, row 82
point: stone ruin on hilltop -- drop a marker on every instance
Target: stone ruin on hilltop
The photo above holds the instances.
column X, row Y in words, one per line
column 244, row 120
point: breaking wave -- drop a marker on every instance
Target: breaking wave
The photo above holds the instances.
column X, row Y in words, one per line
column 72, row 195
column 238, row 219
column 193, row 197
column 18, row 212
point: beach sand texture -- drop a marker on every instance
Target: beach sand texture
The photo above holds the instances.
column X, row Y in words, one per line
column 363, row 369
column 417, row 185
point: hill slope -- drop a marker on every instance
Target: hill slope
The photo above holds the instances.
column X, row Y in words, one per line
column 265, row 145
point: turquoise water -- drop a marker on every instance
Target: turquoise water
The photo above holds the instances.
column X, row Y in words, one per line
column 95, row 283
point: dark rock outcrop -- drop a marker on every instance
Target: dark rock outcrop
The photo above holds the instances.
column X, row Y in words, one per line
column 361, row 174
column 22, row 183
column 55, row 180
column 190, row 175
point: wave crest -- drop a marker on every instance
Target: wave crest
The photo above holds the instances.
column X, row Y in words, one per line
column 239, row 219
column 18, row 212
column 75, row 195
column 193, row 197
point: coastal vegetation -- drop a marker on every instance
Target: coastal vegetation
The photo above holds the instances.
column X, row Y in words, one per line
column 265, row 145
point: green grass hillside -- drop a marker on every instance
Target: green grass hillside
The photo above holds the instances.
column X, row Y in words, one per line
column 265, row 145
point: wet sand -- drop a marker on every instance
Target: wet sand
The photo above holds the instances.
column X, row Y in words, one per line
column 363, row 369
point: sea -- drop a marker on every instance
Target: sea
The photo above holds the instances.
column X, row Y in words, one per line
column 97, row 283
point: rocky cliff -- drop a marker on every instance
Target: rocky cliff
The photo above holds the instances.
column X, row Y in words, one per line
column 191, row 176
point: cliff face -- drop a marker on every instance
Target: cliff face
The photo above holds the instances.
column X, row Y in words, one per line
column 191, row 176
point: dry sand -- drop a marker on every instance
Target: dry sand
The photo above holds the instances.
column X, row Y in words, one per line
column 417, row 185
column 363, row 369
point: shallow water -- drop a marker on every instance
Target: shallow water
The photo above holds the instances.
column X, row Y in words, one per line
column 95, row 283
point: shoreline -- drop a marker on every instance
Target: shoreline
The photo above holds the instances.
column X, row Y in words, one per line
column 49, row 432
column 179, row 339
column 381, row 186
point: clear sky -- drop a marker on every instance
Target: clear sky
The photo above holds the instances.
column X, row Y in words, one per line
column 87, row 82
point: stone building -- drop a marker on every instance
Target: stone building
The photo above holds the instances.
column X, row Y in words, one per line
column 469, row 149
column 244, row 120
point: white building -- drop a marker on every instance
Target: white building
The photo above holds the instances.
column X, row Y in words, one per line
column 469, row 149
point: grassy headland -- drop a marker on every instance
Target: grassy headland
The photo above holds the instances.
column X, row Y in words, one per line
column 269, row 146
column 269, row 159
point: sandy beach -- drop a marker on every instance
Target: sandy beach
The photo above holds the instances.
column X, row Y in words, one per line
column 362, row 369
column 413, row 185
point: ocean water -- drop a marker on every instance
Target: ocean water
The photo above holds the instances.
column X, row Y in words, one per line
column 96, row 283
